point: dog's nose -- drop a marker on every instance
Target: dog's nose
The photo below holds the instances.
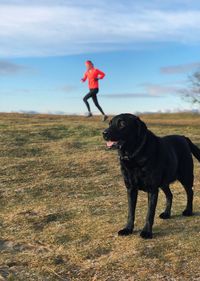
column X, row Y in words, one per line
column 105, row 133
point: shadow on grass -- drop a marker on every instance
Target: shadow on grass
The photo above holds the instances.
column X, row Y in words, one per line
column 39, row 222
column 181, row 217
column 178, row 224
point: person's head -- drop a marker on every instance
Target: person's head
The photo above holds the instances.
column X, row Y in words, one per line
column 89, row 64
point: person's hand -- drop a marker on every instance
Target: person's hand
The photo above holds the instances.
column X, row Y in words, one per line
column 96, row 79
column 82, row 80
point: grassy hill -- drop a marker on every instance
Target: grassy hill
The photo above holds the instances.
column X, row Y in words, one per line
column 62, row 201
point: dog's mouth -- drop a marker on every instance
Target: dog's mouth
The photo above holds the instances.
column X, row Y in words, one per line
column 112, row 144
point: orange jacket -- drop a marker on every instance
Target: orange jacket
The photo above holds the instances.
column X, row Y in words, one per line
column 93, row 75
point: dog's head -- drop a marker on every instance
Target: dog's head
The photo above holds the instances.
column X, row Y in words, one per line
column 124, row 129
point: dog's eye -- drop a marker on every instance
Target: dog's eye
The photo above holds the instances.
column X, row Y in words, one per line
column 121, row 124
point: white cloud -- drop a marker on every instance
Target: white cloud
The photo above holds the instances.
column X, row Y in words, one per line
column 163, row 89
column 10, row 68
column 73, row 28
column 67, row 88
column 130, row 95
column 182, row 68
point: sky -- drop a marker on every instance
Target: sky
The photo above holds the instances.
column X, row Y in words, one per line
column 147, row 49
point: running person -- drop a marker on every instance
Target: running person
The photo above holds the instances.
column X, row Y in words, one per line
column 93, row 75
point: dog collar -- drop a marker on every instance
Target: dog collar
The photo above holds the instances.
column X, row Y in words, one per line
column 130, row 157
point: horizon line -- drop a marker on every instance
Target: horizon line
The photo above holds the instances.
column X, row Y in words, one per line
column 60, row 113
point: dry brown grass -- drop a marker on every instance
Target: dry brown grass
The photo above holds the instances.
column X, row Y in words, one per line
column 62, row 201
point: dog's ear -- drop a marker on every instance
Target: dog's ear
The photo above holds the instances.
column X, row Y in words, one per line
column 141, row 128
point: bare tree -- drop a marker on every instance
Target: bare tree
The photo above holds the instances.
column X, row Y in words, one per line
column 193, row 92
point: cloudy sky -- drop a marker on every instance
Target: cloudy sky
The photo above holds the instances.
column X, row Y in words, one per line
column 146, row 48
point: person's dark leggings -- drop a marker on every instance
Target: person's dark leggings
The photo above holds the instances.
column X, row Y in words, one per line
column 93, row 94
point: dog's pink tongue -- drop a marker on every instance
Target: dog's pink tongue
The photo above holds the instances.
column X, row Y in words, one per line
column 110, row 143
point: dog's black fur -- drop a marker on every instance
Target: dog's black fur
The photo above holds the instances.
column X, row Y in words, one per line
column 149, row 162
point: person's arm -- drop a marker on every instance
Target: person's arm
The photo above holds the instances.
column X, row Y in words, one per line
column 101, row 74
column 84, row 77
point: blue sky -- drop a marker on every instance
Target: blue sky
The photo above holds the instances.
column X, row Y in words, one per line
column 146, row 48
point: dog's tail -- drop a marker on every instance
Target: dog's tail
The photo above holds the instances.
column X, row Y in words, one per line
column 194, row 149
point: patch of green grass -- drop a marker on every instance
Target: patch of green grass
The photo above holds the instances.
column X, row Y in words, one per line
column 54, row 133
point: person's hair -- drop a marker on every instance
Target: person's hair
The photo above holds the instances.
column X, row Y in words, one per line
column 89, row 62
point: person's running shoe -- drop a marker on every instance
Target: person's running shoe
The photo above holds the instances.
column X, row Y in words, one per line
column 89, row 115
column 105, row 117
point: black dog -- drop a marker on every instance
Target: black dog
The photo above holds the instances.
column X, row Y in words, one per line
column 149, row 162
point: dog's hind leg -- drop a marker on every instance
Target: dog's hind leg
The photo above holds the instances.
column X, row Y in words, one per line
column 186, row 178
column 169, row 196
column 189, row 207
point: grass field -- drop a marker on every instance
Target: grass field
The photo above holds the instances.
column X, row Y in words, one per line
column 62, row 201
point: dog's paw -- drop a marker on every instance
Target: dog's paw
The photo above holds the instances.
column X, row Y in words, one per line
column 125, row 232
column 187, row 213
column 146, row 234
column 164, row 216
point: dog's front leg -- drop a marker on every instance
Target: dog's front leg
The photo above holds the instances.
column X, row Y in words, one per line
column 132, row 200
column 152, row 202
